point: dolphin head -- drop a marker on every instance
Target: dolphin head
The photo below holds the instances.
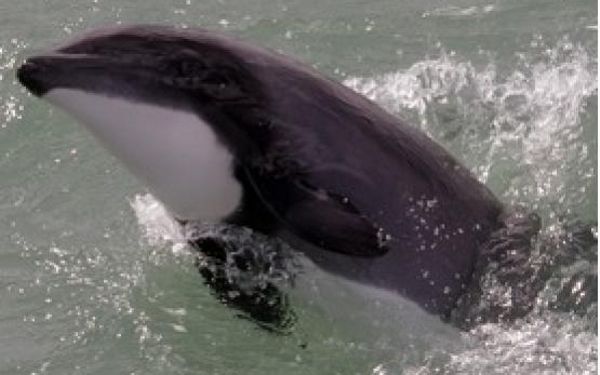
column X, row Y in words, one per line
column 147, row 92
column 144, row 63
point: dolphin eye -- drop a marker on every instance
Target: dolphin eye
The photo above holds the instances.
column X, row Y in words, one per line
column 220, row 84
column 190, row 68
column 215, row 79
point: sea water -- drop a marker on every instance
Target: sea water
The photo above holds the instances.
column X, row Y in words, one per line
column 96, row 278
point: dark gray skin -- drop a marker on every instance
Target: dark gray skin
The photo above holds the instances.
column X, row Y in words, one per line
column 362, row 193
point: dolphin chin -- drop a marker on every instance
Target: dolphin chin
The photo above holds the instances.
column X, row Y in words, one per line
column 172, row 151
column 221, row 130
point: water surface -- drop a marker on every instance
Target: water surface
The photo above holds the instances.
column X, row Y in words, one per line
column 94, row 278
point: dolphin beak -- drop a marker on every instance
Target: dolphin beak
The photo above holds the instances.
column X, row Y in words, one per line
column 31, row 75
column 42, row 73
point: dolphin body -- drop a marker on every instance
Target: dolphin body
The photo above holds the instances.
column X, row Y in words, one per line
column 223, row 131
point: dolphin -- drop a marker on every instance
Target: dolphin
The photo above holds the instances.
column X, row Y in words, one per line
column 222, row 131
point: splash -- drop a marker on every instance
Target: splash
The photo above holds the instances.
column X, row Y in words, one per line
column 544, row 345
column 529, row 117
column 521, row 131
column 158, row 226
column 11, row 108
column 268, row 260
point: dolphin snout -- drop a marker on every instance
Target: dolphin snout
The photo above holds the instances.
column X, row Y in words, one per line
column 30, row 75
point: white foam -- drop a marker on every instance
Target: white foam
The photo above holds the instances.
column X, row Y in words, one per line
column 158, row 226
column 454, row 11
column 542, row 345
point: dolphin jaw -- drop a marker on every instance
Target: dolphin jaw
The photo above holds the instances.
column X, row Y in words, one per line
column 174, row 152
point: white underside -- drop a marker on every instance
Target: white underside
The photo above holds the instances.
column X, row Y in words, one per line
column 173, row 151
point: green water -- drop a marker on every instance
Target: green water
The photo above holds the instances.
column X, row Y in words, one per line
column 94, row 279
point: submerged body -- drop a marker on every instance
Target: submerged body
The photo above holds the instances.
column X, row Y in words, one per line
column 224, row 131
